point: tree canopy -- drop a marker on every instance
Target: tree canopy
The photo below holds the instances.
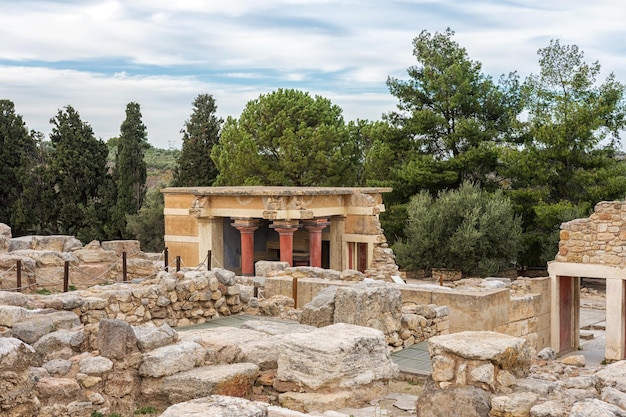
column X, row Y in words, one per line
column 286, row 138
column 18, row 153
column 78, row 177
column 200, row 134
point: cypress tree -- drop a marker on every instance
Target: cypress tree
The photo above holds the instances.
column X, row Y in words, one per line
column 129, row 173
column 200, row 135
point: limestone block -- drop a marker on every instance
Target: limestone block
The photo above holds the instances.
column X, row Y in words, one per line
column 312, row 402
column 10, row 298
column 15, row 355
column 264, row 268
column 57, row 390
column 95, row 365
column 223, row 344
column 466, row 401
column 93, row 253
column 320, row 311
column 116, row 339
column 224, row 276
column 217, row 406
column 131, row 247
column 321, row 359
column 149, row 338
column 235, row 380
column 58, row 367
column 443, row 368
column 507, row 352
column 168, row 360
column 375, row 305
column 613, row 375
column 47, row 258
column 61, row 344
column 594, row 407
column 484, row 373
column 614, row 396
column 513, row 405
column 273, row 328
column 31, row 328
column 12, row 314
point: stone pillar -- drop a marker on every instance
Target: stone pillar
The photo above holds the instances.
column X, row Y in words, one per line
column 247, row 227
column 338, row 250
column 315, row 228
column 615, row 327
column 286, row 229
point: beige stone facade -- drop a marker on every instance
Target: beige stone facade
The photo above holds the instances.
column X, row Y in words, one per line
column 279, row 223
column 593, row 247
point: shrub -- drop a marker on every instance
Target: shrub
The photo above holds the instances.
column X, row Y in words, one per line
column 467, row 229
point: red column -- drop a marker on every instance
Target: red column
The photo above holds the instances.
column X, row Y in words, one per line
column 315, row 228
column 285, row 230
column 246, row 228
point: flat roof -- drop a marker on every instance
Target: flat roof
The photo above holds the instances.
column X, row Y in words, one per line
column 274, row 191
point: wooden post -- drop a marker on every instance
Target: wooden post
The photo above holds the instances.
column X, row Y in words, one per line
column 66, row 276
column 208, row 262
column 124, row 267
column 166, row 255
column 19, row 275
column 294, row 292
column 178, row 263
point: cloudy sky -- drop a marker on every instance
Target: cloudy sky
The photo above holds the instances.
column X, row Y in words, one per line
column 99, row 55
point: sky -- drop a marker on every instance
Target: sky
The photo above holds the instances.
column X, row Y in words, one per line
column 98, row 56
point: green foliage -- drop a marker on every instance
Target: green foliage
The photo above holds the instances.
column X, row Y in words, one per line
column 161, row 159
column 146, row 410
column 97, row 414
column 451, row 115
column 200, row 135
column 19, row 155
column 467, row 229
column 77, row 178
column 287, row 138
column 567, row 159
column 129, row 172
column 148, row 225
column 450, row 122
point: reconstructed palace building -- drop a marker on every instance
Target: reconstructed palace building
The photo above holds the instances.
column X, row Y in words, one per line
column 335, row 228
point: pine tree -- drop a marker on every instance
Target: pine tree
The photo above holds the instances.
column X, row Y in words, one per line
column 129, row 173
column 200, row 135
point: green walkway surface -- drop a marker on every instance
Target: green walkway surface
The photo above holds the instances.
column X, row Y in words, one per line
column 412, row 360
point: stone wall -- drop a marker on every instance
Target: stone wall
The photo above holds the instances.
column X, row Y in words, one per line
column 520, row 308
column 598, row 239
column 43, row 261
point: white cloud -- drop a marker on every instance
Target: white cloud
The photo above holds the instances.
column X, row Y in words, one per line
column 99, row 55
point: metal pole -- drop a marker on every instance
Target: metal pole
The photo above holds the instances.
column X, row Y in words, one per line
column 166, row 254
column 208, row 263
column 124, row 267
column 19, row 275
column 177, row 263
column 66, row 276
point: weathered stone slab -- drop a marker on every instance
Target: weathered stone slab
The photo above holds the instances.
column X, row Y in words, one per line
column 513, row 405
column 15, row 355
column 57, row 390
column 35, row 326
column 235, row 380
column 116, row 339
column 466, row 401
column 217, row 406
column 595, row 408
column 508, row 352
column 223, row 344
column 95, row 365
column 264, row 268
column 47, row 258
column 613, row 375
column 62, row 344
column 273, row 328
column 168, row 360
column 320, row 359
column 149, row 338
column 377, row 305
column 320, row 311
column 131, row 247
